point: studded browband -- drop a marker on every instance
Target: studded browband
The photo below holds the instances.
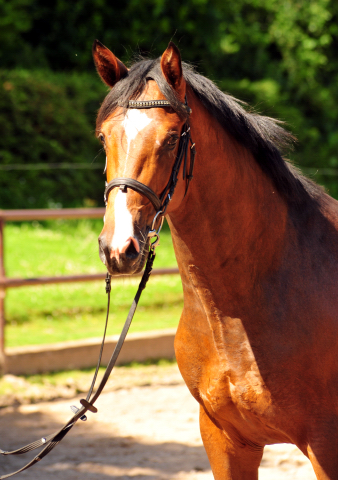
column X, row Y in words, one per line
column 148, row 103
column 154, row 103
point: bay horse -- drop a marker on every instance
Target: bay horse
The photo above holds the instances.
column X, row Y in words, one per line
column 257, row 248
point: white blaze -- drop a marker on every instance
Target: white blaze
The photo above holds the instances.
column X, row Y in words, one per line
column 124, row 227
column 134, row 122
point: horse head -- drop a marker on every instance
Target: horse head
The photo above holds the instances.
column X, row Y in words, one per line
column 141, row 146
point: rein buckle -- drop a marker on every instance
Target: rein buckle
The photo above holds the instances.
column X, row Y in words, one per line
column 74, row 409
column 156, row 233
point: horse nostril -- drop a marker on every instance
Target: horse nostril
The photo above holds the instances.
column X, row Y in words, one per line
column 131, row 251
column 131, row 248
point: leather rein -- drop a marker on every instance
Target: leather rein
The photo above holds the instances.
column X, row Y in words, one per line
column 160, row 204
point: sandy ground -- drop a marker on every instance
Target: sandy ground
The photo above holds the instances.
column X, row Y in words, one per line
column 141, row 432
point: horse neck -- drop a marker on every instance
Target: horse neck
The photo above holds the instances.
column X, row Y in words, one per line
column 231, row 224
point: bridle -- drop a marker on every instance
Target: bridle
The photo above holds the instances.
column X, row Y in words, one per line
column 160, row 204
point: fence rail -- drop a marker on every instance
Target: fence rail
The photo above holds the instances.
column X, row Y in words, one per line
column 47, row 214
column 42, row 214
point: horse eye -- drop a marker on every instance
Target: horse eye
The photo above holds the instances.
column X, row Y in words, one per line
column 101, row 138
column 173, row 140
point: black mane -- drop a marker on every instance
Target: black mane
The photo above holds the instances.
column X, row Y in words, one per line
column 263, row 136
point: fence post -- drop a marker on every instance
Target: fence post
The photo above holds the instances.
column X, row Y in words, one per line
column 2, row 298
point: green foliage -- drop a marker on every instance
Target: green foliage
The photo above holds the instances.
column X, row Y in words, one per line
column 261, row 38
column 14, row 21
column 290, row 41
column 279, row 56
column 48, row 118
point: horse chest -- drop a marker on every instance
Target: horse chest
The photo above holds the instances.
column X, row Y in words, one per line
column 217, row 362
column 224, row 375
column 234, row 393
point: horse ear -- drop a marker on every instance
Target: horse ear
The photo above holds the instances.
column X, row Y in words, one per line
column 171, row 66
column 109, row 67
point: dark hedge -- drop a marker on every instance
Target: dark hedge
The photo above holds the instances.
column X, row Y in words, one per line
column 48, row 118
column 279, row 56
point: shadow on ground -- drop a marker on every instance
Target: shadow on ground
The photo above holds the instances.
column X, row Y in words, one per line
column 117, row 444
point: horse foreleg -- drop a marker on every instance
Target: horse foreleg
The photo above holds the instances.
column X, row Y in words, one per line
column 322, row 451
column 229, row 459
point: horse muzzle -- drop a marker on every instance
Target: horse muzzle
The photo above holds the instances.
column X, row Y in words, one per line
column 123, row 258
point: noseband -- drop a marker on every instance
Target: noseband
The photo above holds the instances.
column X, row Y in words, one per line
column 160, row 203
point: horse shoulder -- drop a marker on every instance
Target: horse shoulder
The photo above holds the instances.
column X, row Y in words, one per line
column 217, row 362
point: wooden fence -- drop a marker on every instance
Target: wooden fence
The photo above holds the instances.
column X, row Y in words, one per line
column 41, row 214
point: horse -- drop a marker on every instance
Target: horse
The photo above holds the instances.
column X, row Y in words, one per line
column 256, row 244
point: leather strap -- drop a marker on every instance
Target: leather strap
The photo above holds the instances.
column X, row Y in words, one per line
column 154, row 104
column 192, row 163
column 181, row 155
column 148, row 103
column 134, row 185
column 51, row 441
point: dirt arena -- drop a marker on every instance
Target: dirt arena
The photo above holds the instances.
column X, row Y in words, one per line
column 146, row 428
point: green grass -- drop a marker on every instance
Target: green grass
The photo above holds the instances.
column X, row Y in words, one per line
column 54, row 313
